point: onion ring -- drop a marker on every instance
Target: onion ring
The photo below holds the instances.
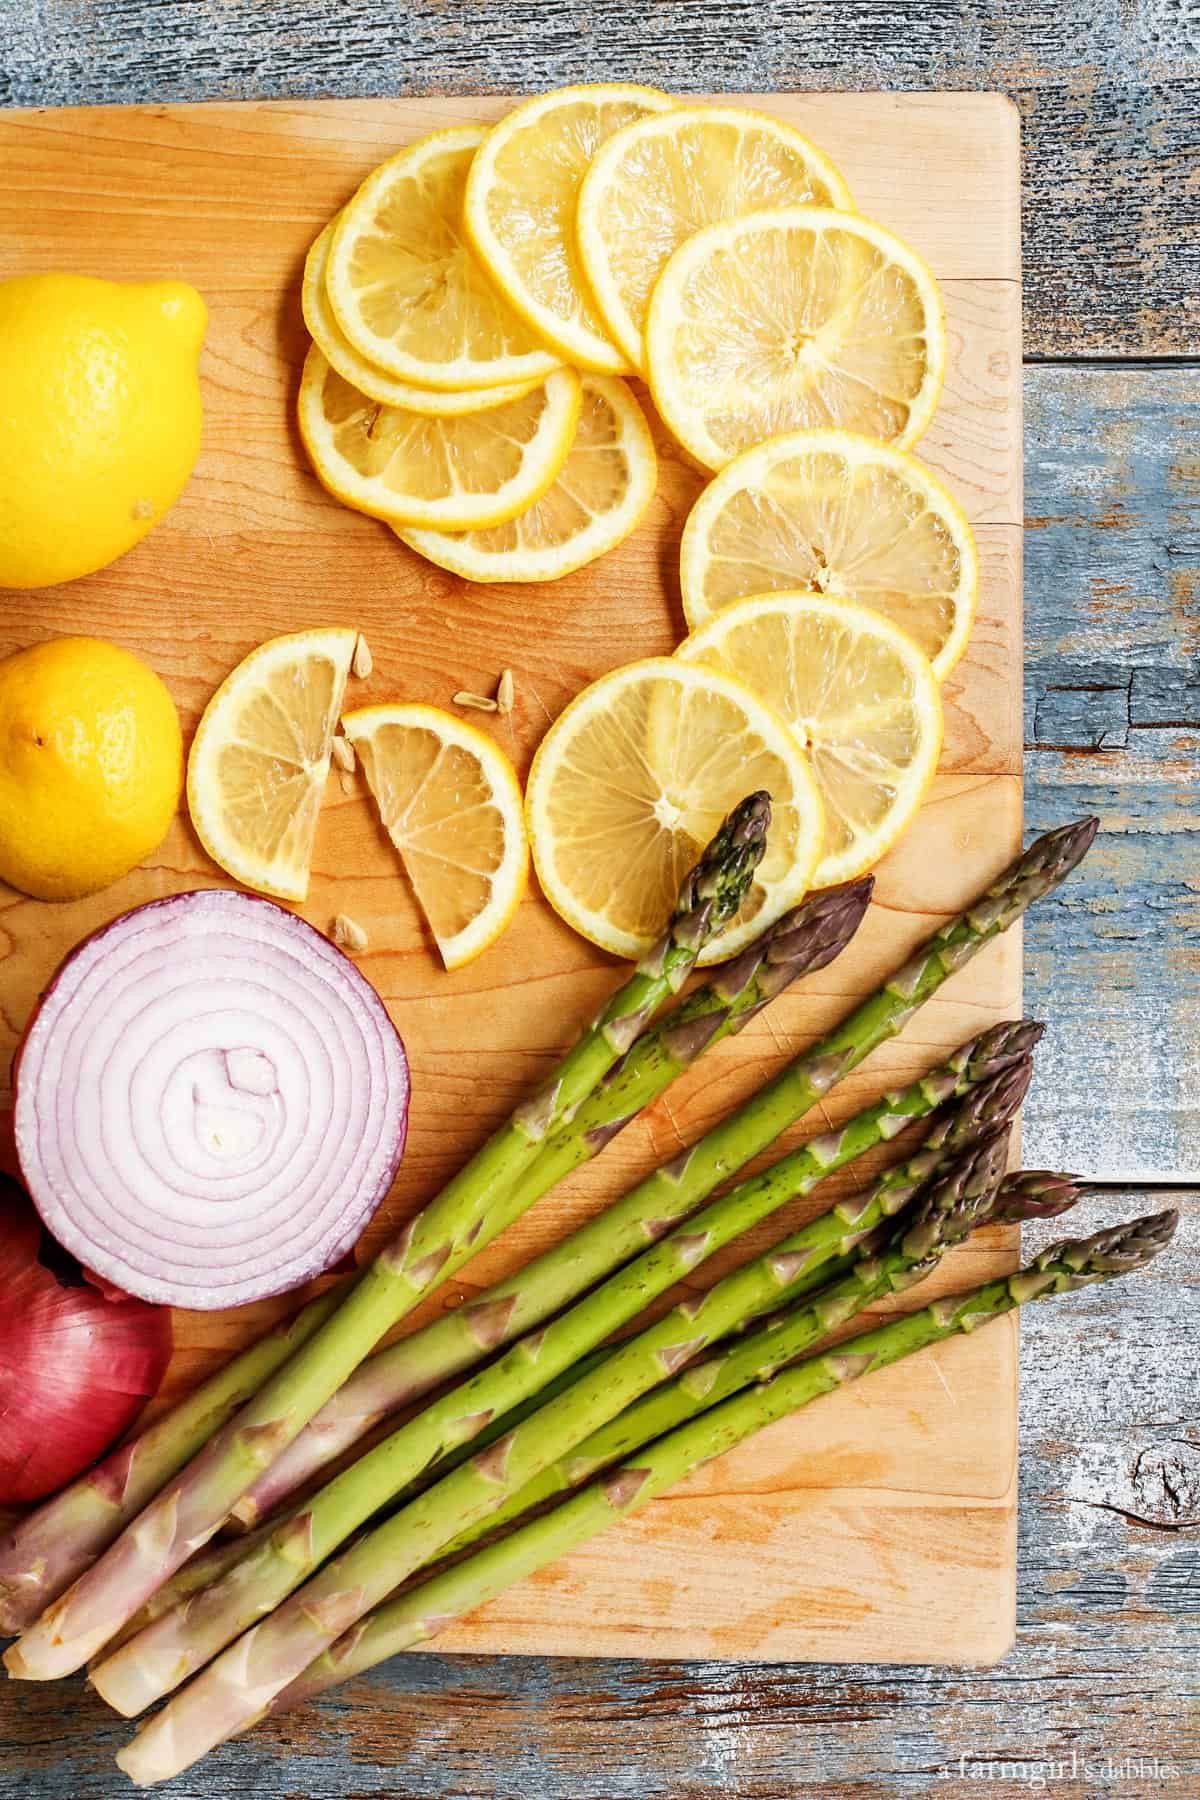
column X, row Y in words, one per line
column 211, row 1101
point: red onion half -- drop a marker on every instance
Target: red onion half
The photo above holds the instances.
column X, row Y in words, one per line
column 75, row 1368
column 211, row 1101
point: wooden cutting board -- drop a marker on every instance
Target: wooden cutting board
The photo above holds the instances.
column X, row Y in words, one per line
column 879, row 1525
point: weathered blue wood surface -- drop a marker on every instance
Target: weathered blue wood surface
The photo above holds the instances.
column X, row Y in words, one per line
column 1112, row 725
column 1107, row 1664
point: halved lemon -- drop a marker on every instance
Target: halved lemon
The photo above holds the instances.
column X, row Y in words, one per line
column 796, row 318
column 405, row 286
column 260, row 759
column 633, row 779
column 859, row 691
column 520, row 210
column 835, row 513
column 457, row 473
column 657, row 181
column 451, row 804
column 376, row 383
column 593, row 503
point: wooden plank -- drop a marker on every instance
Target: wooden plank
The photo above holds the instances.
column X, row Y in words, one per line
column 1113, row 725
column 1108, row 97
column 230, row 196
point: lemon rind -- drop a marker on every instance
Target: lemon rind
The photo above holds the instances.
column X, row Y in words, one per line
column 744, row 470
column 605, row 533
column 622, row 326
column 489, row 923
column 576, row 343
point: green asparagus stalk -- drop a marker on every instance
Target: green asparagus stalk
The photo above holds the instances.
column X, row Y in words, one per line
column 49, row 1548
column 1026, row 1194
column 174, row 1646
column 431, row 1246
column 249, row 1685
column 201, row 1571
column 804, row 940
column 889, row 1259
column 1022, row 1195
column 166, row 1653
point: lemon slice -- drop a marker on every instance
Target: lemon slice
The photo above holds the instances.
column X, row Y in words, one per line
column 377, row 384
column 789, row 319
column 657, row 181
column 405, row 287
column 260, row 759
column 633, row 779
column 411, row 469
column 593, row 503
column 862, row 695
column 835, row 513
column 520, row 210
column 451, row 804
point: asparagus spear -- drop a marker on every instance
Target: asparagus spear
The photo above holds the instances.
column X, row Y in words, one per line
column 1025, row 1194
column 45, row 1551
column 174, row 1646
column 249, row 1685
column 1014, row 1202
column 1035, row 1194
column 430, row 1247
column 892, row 1257
column 804, row 940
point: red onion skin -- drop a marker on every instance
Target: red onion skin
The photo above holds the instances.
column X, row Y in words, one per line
column 339, row 1254
column 75, row 1368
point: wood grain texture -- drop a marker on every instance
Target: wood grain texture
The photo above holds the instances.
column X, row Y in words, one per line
column 1108, row 95
column 256, row 546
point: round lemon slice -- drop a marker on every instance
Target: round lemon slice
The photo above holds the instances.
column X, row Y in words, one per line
column 457, row 473
column 405, row 286
column 790, row 319
column 835, row 513
column 633, row 779
column 451, row 804
column 593, row 503
column 657, row 181
column 375, row 383
column 520, row 210
column 260, row 759
column 862, row 694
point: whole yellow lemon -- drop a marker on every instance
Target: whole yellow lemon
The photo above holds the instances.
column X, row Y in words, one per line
column 99, row 421
column 91, row 766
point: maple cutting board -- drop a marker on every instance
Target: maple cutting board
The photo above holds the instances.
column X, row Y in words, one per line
column 879, row 1525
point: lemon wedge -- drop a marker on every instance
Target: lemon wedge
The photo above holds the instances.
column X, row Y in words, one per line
column 458, row 473
column 660, row 179
column 260, row 759
column 860, row 693
column 451, row 804
column 405, row 287
column 374, row 382
column 794, row 318
column 591, row 506
column 632, row 780
column 835, row 513
column 520, row 210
